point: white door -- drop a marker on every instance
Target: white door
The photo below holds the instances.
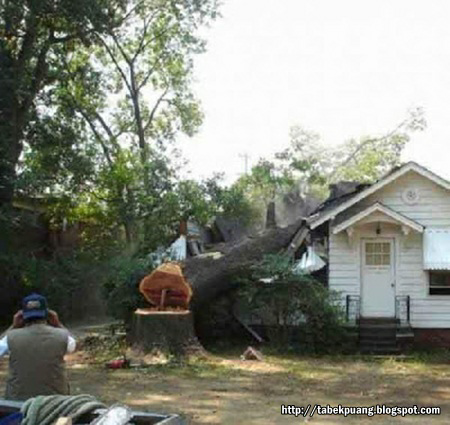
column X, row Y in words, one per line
column 378, row 278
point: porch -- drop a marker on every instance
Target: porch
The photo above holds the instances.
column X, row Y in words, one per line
column 382, row 335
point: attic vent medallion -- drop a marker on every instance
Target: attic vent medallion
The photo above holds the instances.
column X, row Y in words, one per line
column 411, row 196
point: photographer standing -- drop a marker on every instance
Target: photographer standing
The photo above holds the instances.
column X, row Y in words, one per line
column 36, row 342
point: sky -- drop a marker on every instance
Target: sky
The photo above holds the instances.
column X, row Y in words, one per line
column 343, row 69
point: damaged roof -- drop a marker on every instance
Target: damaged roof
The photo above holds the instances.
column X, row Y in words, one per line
column 335, row 205
column 343, row 192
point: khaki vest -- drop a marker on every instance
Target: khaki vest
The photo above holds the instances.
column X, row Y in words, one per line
column 36, row 362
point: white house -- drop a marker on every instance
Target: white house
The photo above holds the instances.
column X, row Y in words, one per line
column 388, row 249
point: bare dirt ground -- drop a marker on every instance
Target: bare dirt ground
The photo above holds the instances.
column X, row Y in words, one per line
column 227, row 390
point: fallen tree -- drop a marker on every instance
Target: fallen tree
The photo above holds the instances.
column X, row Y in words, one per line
column 167, row 327
column 210, row 277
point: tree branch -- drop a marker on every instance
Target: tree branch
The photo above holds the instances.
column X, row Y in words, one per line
column 26, row 49
column 144, row 34
column 122, row 52
column 149, row 73
column 116, row 63
column 38, row 75
column 155, row 38
column 362, row 145
column 122, row 131
column 130, row 12
column 97, row 135
column 155, row 108
column 144, row 81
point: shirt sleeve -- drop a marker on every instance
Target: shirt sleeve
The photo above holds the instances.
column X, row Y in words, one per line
column 4, row 349
column 71, row 344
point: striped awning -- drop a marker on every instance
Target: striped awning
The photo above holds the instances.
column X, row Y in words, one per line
column 436, row 249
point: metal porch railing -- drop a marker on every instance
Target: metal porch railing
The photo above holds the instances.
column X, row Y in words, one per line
column 352, row 308
column 403, row 309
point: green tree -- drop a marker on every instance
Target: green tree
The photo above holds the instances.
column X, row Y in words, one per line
column 122, row 102
column 209, row 198
column 32, row 34
column 133, row 93
column 265, row 180
column 366, row 159
column 309, row 166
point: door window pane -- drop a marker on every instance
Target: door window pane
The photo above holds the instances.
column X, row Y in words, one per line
column 378, row 253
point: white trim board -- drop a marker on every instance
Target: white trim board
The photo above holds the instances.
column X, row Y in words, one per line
column 378, row 207
column 410, row 166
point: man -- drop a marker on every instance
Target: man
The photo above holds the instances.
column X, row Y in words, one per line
column 36, row 342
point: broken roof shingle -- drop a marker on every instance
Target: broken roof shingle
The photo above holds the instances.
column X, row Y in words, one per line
column 339, row 193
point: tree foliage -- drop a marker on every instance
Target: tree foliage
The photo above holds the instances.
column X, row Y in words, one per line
column 310, row 165
column 33, row 33
column 105, row 135
column 94, row 96
column 298, row 311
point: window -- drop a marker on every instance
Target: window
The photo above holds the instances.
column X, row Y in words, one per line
column 378, row 253
column 440, row 282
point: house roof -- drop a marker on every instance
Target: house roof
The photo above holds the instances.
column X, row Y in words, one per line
column 329, row 210
column 377, row 207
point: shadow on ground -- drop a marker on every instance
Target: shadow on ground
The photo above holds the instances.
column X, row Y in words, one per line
column 231, row 391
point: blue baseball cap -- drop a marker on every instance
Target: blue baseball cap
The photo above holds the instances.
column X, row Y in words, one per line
column 34, row 306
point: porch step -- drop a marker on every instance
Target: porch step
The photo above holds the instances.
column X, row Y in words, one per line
column 376, row 339
column 379, row 350
column 378, row 336
column 378, row 330
column 376, row 326
column 378, row 321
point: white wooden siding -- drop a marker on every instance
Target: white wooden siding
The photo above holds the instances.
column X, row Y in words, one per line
column 432, row 211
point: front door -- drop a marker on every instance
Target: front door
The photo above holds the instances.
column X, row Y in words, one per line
column 378, row 278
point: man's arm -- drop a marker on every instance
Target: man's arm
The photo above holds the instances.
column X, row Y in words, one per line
column 17, row 323
column 4, row 349
column 71, row 344
column 53, row 320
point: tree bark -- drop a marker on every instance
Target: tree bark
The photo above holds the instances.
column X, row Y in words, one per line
column 209, row 278
column 164, row 332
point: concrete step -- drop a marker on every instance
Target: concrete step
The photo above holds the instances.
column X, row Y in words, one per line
column 392, row 326
column 378, row 321
column 405, row 332
column 377, row 336
column 381, row 342
column 381, row 335
column 378, row 331
column 379, row 350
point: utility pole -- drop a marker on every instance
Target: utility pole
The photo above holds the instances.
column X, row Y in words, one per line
column 245, row 156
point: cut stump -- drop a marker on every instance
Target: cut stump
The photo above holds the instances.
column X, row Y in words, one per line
column 170, row 333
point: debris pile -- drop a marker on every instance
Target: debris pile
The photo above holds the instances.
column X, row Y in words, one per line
column 252, row 354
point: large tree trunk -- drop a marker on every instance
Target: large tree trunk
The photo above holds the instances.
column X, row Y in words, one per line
column 209, row 277
column 170, row 333
column 10, row 143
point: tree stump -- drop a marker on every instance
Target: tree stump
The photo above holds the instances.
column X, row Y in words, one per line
column 170, row 333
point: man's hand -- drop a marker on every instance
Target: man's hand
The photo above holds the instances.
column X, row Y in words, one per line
column 53, row 319
column 18, row 321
